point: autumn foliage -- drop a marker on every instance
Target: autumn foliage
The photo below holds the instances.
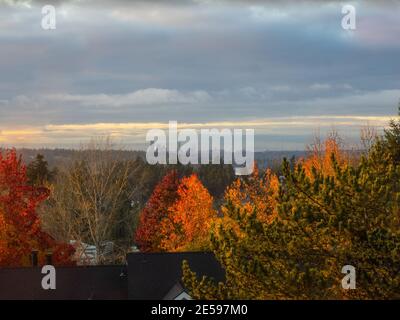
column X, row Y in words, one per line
column 148, row 234
column 20, row 229
column 177, row 217
column 189, row 219
column 321, row 155
column 257, row 193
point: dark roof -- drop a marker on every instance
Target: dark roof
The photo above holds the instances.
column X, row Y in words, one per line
column 147, row 276
column 152, row 275
column 75, row 283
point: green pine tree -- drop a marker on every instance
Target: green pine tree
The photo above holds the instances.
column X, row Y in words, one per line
column 38, row 172
column 351, row 217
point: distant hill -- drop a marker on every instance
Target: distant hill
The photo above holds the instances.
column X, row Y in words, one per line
column 55, row 157
column 273, row 159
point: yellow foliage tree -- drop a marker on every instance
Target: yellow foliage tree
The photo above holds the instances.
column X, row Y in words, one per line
column 257, row 192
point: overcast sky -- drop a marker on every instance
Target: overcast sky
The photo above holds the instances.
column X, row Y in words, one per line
column 285, row 68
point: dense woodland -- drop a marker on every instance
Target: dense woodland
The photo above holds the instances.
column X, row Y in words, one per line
column 282, row 233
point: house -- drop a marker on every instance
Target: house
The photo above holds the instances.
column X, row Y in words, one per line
column 158, row 275
column 178, row 292
column 151, row 276
column 86, row 254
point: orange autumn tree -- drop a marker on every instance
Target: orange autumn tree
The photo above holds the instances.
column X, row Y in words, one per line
column 189, row 219
column 255, row 193
column 20, row 230
column 148, row 233
column 320, row 156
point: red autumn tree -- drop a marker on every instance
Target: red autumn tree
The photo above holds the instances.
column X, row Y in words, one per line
column 190, row 218
column 20, row 230
column 148, row 233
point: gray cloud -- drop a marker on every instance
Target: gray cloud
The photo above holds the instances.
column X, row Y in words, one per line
column 126, row 61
